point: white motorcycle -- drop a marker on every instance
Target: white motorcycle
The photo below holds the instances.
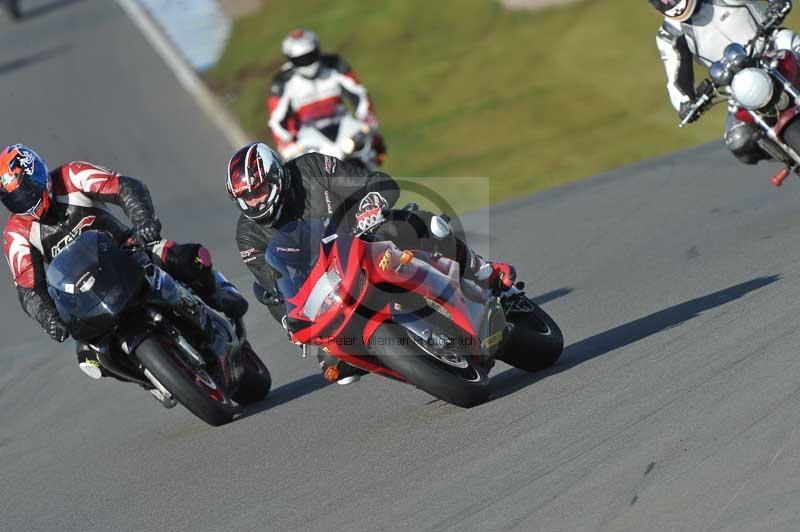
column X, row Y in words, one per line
column 348, row 139
column 760, row 85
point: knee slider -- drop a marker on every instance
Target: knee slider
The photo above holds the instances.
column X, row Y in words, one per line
column 440, row 228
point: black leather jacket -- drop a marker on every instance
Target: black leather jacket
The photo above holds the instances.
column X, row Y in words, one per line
column 321, row 186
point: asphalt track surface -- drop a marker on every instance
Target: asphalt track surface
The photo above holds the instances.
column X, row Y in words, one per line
column 674, row 407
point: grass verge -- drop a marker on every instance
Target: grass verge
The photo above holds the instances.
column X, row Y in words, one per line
column 468, row 88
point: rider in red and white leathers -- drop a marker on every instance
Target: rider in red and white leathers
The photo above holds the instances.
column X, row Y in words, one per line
column 49, row 210
column 700, row 30
column 311, row 89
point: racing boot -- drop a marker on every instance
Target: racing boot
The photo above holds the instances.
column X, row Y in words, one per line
column 334, row 370
column 226, row 298
column 495, row 276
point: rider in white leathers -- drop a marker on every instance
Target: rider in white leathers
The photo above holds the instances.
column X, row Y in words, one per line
column 310, row 90
column 701, row 29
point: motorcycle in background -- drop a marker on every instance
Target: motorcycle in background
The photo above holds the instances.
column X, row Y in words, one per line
column 144, row 327
column 760, row 85
column 346, row 138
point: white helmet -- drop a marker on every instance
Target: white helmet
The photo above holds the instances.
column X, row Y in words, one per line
column 678, row 10
column 301, row 48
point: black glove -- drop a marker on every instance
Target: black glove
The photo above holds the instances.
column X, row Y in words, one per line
column 778, row 9
column 56, row 328
column 149, row 231
column 686, row 108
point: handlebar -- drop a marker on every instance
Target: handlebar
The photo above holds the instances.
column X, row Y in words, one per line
column 696, row 108
column 769, row 24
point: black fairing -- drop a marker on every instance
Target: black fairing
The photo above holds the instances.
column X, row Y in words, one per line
column 92, row 282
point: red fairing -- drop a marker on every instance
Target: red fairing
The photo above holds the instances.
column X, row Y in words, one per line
column 788, row 66
column 435, row 279
column 17, row 249
column 84, row 177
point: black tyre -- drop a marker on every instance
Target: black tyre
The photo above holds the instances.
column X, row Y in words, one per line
column 536, row 342
column 185, row 383
column 398, row 350
column 791, row 134
column 256, row 381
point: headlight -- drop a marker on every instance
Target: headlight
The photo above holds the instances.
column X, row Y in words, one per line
column 348, row 146
column 752, row 88
column 324, row 294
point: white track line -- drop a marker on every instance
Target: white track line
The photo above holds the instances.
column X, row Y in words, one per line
column 186, row 76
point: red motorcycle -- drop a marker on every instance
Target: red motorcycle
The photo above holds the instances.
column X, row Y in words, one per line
column 760, row 84
column 405, row 314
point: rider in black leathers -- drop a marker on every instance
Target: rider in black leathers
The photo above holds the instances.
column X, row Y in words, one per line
column 271, row 193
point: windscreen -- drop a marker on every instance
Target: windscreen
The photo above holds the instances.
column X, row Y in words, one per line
column 93, row 278
column 294, row 252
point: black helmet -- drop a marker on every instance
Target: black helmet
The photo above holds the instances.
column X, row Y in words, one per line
column 258, row 182
column 678, row 10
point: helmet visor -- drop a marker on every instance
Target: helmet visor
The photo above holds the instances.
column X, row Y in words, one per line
column 25, row 199
column 672, row 8
column 265, row 194
column 305, row 59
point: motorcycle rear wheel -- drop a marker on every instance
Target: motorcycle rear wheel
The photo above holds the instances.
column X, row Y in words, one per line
column 466, row 387
column 536, row 342
column 179, row 379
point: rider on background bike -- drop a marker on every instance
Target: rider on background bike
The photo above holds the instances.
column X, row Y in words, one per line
column 310, row 89
column 49, row 210
column 271, row 194
column 701, row 29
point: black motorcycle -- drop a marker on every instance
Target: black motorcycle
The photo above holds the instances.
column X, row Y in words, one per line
column 145, row 327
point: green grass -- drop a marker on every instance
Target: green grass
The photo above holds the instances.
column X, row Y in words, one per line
column 468, row 88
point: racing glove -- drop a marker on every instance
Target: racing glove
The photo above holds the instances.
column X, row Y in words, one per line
column 56, row 328
column 686, row 108
column 149, row 231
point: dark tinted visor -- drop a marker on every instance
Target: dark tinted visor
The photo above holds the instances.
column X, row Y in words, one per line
column 665, row 5
column 305, row 60
column 25, row 198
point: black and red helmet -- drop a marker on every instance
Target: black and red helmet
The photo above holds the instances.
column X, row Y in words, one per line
column 678, row 10
column 258, row 182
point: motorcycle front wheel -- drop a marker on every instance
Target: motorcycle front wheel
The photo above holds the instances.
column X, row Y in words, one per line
column 536, row 341
column 256, row 381
column 193, row 388
column 456, row 380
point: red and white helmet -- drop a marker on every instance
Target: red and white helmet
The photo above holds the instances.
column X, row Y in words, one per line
column 678, row 10
column 301, row 48
column 258, row 182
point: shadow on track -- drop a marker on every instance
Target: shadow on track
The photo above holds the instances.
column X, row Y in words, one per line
column 38, row 57
column 513, row 379
column 46, row 8
column 285, row 393
column 547, row 297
